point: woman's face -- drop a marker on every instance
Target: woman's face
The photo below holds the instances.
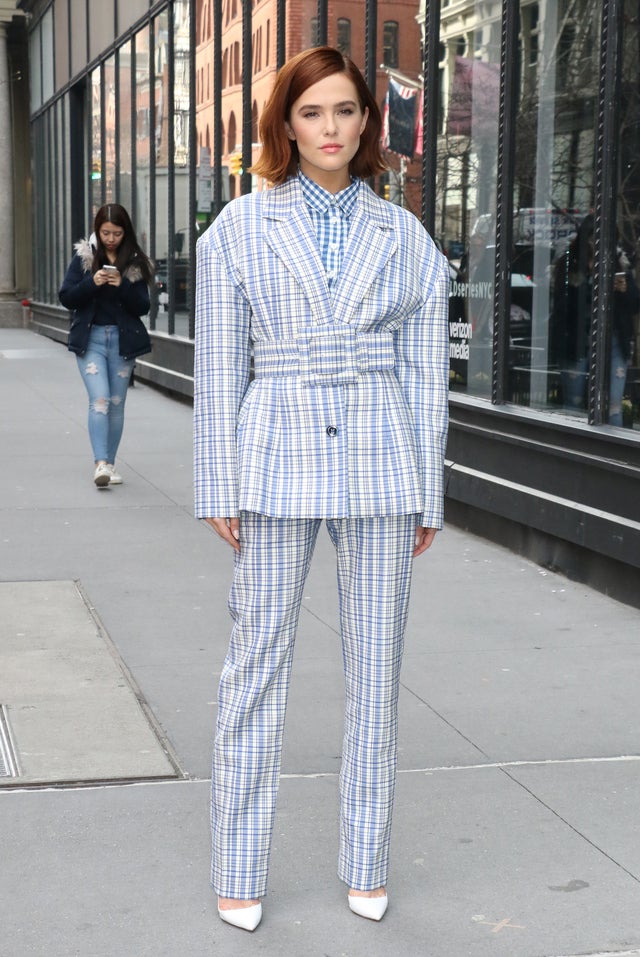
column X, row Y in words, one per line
column 111, row 236
column 326, row 123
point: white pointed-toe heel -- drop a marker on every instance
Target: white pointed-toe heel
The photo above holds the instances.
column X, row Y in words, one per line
column 247, row 918
column 372, row 908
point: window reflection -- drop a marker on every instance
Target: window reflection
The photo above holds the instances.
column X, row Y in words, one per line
column 142, row 213
column 390, row 43
column 96, row 142
column 124, row 126
column 160, row 159
column 343, row 41
column 181, row 106
column 172, row 107
column 63, row 186
column 571, row 311
column 553, row 197
column 110, row 119
column 133, row 130
column 467, row 170
column 628, row 213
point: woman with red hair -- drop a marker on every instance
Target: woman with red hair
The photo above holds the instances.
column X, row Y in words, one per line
column 341, row 298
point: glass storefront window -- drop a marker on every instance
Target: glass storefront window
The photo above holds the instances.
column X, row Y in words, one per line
column 41, row 61
column 135, row 132
column 78, row 22
column 49, row 187
column 160, row 146
column 61, row 32
column 124, row 165
column 35, row 67
column 110, row 121
column 466, row 193
column 62, row 173
column 101, row 26
column 96, row 141
column 129, row 11
column 48, row 83
column 625, row 374
column 400, row 89
column 181, row 113
column 142, row 212
column 552, row 261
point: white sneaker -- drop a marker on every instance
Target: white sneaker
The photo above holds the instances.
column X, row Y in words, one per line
column 102, row 475
column 115, row 477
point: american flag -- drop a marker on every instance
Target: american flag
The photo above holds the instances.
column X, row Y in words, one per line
column 401, row 127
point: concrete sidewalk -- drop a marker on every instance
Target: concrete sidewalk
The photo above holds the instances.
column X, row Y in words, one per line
column 517, row 821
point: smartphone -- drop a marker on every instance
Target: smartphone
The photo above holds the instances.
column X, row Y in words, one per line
column 110, row 268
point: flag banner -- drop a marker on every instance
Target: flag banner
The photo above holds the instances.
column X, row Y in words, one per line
column 419, row 147
column 384, row 141
column 474, row 102
column 400, row 113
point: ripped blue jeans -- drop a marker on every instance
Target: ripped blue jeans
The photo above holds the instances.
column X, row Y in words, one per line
column 575, row 382
column 617, row 382
column 106, row 377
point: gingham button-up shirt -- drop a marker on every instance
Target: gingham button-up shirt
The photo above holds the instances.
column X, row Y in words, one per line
column 331, row 215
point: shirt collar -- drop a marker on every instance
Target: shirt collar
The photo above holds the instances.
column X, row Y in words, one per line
column 321, row 199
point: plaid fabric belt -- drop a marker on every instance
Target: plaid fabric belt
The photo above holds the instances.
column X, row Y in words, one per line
column 321, row 357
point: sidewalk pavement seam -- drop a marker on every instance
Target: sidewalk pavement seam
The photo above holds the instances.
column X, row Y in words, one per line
column 316, row 775
column 608, row 953
column 147, row 710
column 441, row 717
column 101, row 785
column 571, row 826
column 481, row 767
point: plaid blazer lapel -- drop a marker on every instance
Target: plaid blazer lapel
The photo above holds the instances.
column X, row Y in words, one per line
column 289, row 233
column 372, row 240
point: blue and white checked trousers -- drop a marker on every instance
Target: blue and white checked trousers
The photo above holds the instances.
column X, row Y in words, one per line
column 374, row 560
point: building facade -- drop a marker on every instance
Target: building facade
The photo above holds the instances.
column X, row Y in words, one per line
column 15, row 219
column 510, row 130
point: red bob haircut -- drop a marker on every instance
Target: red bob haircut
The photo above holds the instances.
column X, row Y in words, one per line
column 279, row 158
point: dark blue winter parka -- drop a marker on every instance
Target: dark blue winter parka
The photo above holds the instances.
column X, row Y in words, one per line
column 79, row 294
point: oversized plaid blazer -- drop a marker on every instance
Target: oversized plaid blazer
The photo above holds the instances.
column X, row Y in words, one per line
column 347, row 413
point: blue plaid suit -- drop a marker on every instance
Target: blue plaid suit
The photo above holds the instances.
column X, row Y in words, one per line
column 345, row 420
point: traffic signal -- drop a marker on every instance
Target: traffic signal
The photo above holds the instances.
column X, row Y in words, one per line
column 235, row 164
column 387, row 191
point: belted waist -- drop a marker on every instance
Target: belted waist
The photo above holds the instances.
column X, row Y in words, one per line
column 322, row 357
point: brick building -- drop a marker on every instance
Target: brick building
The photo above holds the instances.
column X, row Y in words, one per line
column 398, row 49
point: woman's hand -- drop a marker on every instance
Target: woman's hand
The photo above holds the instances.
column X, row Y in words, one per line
column 113, row 276
column 228, row 529
column 108, row 277
column 424, row 539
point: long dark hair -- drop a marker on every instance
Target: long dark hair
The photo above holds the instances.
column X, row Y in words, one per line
column 128, row 252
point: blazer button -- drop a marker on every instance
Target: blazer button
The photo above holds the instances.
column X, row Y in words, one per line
column 331, row 430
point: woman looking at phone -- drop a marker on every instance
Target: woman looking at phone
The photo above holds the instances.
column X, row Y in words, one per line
column 107, row 288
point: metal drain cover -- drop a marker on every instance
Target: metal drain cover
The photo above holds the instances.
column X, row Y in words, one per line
column 76, row 715
column 8, row 761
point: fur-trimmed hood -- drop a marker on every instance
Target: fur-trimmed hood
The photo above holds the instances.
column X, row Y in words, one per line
column 86, row 248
